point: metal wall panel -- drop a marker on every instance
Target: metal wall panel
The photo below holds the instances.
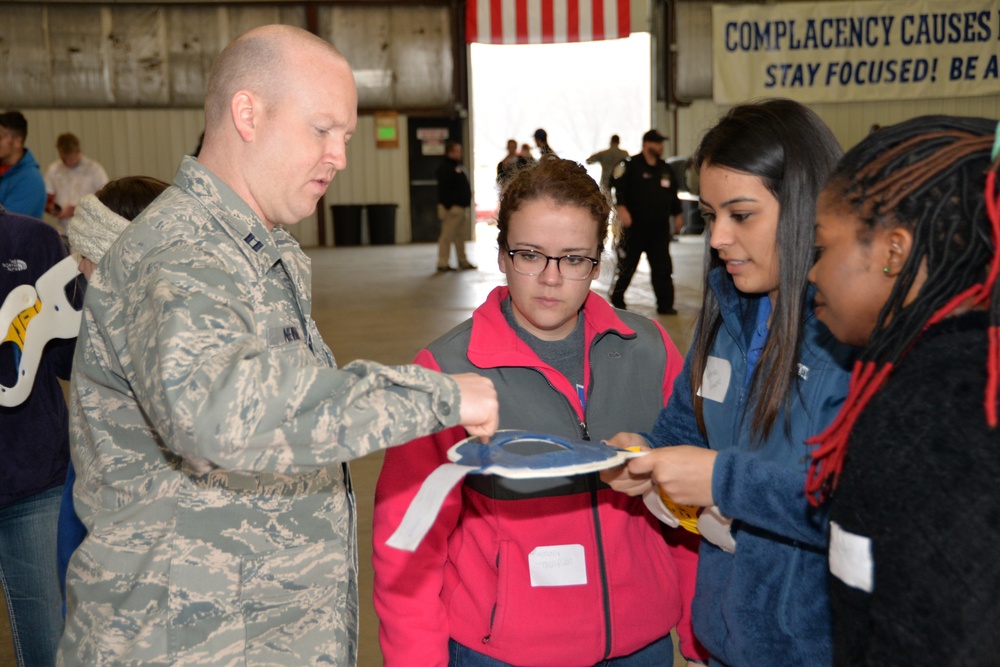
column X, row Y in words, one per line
column 363, row 38
column 422, row 49
column 402, row 55
column 238, row 19
column 194, row 37
column 693, row 52
column 25, row 63
column 77, row 58
column 153, row 55
column 136, row 56
column 152, row 142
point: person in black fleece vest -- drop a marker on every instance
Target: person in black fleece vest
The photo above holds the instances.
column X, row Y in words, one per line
column 907, row 266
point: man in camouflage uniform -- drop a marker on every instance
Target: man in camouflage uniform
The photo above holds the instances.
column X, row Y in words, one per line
column 210, row 426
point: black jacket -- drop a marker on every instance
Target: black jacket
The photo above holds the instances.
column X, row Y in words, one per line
column 453, row 184
column 649, row 192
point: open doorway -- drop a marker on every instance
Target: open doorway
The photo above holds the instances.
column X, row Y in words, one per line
column 580, row 93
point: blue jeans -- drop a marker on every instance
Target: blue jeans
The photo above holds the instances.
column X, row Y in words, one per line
column 657, row 654
column 29, row 578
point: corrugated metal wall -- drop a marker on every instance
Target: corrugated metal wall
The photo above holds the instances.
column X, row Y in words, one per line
column 129, row 80
column 410, row 45
column 159, row 56
column 152, row 142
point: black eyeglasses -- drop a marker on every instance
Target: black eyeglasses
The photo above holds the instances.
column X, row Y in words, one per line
column 570, row 267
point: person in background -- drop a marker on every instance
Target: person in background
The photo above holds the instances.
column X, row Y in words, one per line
column 609, row 158
column 510, row 163
column 650, row 214
column 525, row 153
column 907, row 265
column 212, row 428
column 762, row 376
column 564, row 363
column 69, row 179
column 542, row 141
column 454, row 198
column 22, row 188
column 98, row 221
column 34, row 449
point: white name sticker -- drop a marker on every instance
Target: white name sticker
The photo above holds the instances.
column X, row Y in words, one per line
column 558, row 565
column 426, row 505
column 851, row 558
column 715, row 379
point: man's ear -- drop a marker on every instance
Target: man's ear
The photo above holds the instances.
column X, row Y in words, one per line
column 899, row 244
column 245, row 108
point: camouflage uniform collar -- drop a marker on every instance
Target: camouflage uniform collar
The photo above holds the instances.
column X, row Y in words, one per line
column 263, row 249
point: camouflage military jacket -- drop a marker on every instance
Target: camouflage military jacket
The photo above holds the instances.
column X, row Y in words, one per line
column 210, row 431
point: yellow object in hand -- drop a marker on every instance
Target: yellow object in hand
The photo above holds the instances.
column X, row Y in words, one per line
column 686, row 514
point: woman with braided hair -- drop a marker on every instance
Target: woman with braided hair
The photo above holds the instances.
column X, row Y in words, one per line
column 907, row 265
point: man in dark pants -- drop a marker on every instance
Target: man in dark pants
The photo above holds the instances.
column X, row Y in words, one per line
column 648, row 206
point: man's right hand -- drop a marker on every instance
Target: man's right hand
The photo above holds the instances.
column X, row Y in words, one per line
column 479, row 408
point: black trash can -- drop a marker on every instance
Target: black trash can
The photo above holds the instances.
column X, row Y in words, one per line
column 382, row 224
column 346, row 224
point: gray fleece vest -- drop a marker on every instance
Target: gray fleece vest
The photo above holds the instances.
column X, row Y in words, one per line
column 625, row 394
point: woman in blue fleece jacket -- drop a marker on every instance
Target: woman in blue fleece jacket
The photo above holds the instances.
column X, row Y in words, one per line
column 762, row 376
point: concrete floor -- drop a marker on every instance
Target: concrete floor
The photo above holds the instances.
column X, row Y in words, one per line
column 386, row 302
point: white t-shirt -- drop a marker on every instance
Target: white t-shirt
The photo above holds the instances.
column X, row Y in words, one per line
column 71, row 185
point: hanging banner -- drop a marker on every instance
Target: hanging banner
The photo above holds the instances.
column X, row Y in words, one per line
column 855, row 51
column 546, row 21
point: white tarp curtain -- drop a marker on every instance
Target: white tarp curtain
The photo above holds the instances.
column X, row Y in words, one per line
column 855, row 51
column 546, row 21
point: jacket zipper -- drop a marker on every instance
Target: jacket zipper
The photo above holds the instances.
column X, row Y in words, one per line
column 602, row 566
column 595, row 508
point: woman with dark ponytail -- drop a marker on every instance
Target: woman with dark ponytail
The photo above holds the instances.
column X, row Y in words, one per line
column 907, row 265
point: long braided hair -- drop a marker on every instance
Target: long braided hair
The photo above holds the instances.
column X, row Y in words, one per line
column 929, row 175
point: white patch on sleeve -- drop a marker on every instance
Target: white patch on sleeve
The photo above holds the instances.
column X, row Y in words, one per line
column 558, row 565
column 851, row 558
column 715, row 379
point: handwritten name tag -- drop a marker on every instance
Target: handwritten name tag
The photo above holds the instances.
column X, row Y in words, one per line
column 715, row 379
column 558, row 565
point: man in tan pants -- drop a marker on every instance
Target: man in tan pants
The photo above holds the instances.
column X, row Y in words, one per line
column 454, row 198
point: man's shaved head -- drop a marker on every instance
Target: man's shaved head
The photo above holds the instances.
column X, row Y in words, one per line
column 256, row 61
column 280, row 108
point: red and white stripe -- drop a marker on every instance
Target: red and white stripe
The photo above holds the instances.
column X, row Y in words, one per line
column 546, row 21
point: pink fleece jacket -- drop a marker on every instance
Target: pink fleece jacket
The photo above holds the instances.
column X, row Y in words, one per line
column 469, row 579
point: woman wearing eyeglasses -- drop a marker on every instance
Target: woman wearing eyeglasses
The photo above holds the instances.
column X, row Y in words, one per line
column 478, row 590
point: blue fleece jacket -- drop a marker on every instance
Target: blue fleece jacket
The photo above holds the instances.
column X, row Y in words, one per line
column 22, row 187
column 767, row 603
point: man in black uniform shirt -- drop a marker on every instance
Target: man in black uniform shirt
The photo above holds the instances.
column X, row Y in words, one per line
column 650, row 212
column 454, row 198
